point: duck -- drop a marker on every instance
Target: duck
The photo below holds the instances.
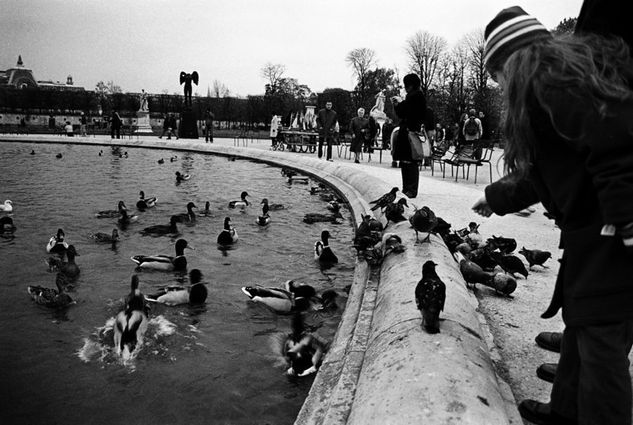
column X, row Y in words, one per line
column 182, row 177
column 242, row 202
column 7, row 206
column 112, row 213
column 228, row 235
column 162, row 229
column 333, row 206
column 58, row 156
column 69, row 270
column 144, row 203
column 161, row 161
column 50, row 297
column 189, row 216
column 32, row 151
column 264, row 219
column 277, row 299
column 273, row 207
column 125, row 218
column 130, row 323
column 6, row 225
column 207, row 209
column 300, row 290
column 175, row 295
column 322, row 251
column 296, row 178
column 105, row 237
column 322, row 218
column 163, row 262
column 101, row 152
column 56, row 244
column 302, row 350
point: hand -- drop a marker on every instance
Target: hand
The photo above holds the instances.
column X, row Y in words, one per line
column 482, row 208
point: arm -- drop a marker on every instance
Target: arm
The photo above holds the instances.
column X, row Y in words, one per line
column 509, row 194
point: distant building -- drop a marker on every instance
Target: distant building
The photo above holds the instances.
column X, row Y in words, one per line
column 22, row 77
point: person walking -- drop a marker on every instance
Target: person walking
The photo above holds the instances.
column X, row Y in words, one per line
column 83, row 120
column 412, row 112
column 115, row 125
column 358, row 127
column 472, row 132
column 577, row 160
column 208, row 125
column 326, row 123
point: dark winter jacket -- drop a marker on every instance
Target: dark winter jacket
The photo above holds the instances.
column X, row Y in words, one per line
column 412, row 112
column 326, row 121
column 585, row 183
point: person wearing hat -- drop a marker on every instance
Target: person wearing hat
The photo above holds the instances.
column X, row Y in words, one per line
column 570, row 146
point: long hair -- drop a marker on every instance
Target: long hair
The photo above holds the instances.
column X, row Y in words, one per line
column 593, row 69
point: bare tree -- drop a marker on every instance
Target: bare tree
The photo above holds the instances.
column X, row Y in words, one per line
column 361, row 60
column 424, row 51
column 272, row 73
column 219, row 89
column 478, row 80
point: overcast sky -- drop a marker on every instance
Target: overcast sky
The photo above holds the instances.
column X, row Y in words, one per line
column 145, row 44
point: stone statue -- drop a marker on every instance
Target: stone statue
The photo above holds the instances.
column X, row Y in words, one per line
column 187, row 79
column 378, row 111
column 144, row 102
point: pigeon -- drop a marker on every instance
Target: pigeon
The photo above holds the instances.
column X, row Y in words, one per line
column 510, row 263
column 452, row 241
column 392, row 243
column 482, row 257
column 394, row 211
column 430, row 295
column 473, row 273
column 443, row 228
column 535, row 257
column 384, row 200
column 504, row 245
column 423, row 220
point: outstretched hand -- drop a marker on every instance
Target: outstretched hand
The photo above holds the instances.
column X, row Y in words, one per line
column 482, row 208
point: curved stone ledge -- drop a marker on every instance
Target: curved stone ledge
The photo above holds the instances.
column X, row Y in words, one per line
column 382, row 367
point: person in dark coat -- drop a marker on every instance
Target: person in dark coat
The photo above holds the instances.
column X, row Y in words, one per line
column 412, row 113
column 358, row 128
column 326, row 123
column 578, row 162
column 115, row 125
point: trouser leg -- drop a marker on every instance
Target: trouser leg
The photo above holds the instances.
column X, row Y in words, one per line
column 329, row 148
column 320, row 152
column 410, row 177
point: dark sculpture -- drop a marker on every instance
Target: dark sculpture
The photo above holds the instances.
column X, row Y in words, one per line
column 187, row 79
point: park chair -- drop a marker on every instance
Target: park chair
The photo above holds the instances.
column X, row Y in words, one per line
column 437, row 156
column 486, row 157
column 463, row 156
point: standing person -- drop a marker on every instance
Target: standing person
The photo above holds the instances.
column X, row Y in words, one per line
column 275, row 123
column 460, row 141
column 83, row 120
column 326, row 123
column 485, row 130
column 358, row 127
column 68, row 128
column 387, row 129
column 412, row 112
column 577, row 160
column 115, row 125
column 472, row 132
column 370, row 134
column 208, row 125
column 51, row 122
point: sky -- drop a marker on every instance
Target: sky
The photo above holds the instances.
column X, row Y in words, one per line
column 145, row 44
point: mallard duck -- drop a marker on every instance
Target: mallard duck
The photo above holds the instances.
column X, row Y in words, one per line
column 322, row 218
column 50, row 297
column 105, row 237
column 264, row 219
column 161, row 161
column 228, row 235
column 58, row 156
column 207, row 210
column 182, row 177
column 130, row 323
column 112, row 213
column 302, row 350
column 300, row 290
column 7, row 206
column 68, row 269
column 322, row 251
column 164, row 262
column 189, row 216
column 296, row 178
column 125, row 218
column 56, row 244
column 277, row 299
column 273, row 207
column 176, row 295
column 144, row 203
column 242, row 202
column 333, row 206
column 162, row 229
column 6, row 225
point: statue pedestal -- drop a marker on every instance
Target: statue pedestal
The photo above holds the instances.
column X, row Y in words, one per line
column 380, row 119
column 142, row 123
column 188, row 128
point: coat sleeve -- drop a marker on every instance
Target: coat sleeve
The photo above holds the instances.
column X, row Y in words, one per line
column 510, row 194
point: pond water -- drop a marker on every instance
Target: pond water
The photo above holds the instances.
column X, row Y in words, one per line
column 219, row 363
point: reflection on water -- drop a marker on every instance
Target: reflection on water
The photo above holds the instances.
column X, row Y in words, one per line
column 216, row 363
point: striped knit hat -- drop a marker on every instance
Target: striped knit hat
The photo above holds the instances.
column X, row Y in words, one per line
column 510, row 30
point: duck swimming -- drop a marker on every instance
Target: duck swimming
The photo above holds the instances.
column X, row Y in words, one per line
column 242, row 202
column 7, row 206
column 56, row 244
column 264, row 219
column 6, row 226
column 163, row 262
column 112, row 213
column 323, row 218
column 322, row 251
column 130, row 323
column 207, row 209
column 68, row 269
column 162, row 229
column 175, row 295
column 50, row 297
column 105, row 237
column 189, row 216
column 277, row 299
column 144, row 203
column 273, row 207
column 302, row 350
column 125, row 218
column 228, row 235
column 182, row 177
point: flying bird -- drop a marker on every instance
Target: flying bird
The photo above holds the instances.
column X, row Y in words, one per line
column 430, row 296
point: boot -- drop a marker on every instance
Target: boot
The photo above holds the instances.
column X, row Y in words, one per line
column 410, row 178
